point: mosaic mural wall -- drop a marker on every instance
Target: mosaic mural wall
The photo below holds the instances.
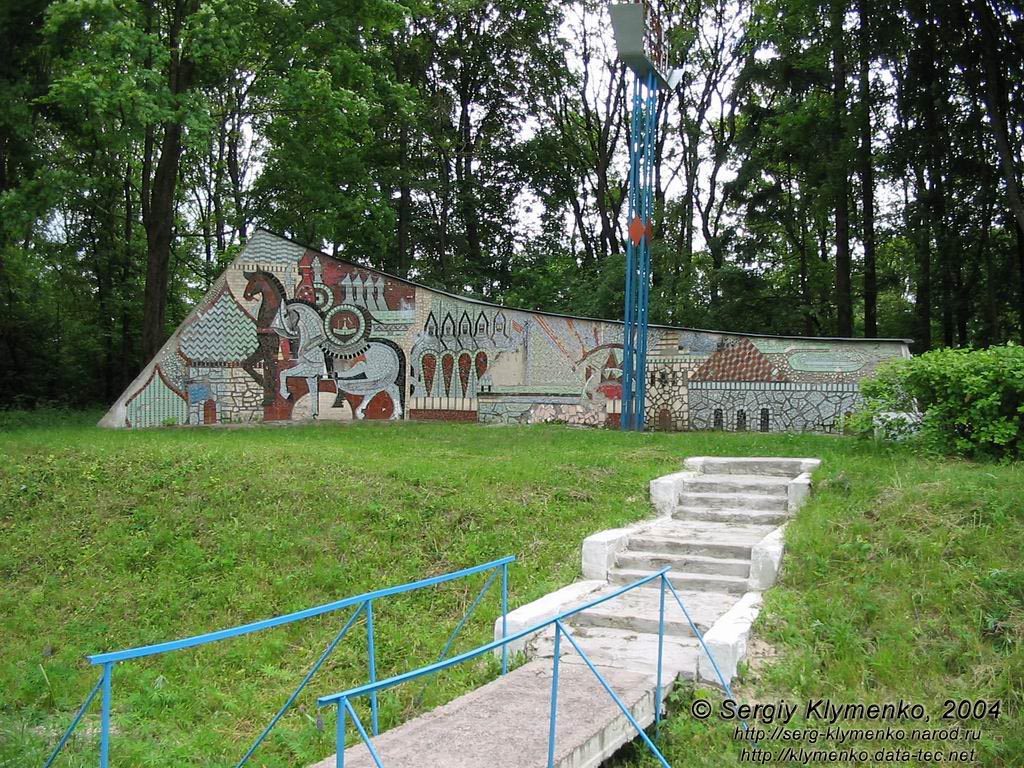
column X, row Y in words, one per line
column 288, row 333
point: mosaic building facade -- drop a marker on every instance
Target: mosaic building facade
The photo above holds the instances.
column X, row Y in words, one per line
column 289, row 333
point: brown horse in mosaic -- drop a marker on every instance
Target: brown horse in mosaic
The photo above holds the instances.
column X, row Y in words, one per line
column 267, row 286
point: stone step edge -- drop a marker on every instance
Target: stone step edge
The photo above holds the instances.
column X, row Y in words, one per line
column 665, row 491
column 687, row 577
column 702, row 559
column 668, row 545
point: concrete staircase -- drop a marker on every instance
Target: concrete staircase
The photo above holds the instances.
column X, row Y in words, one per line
column 720, row 513
column 719, row 531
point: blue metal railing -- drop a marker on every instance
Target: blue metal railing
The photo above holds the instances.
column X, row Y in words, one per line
column 343, row 700
column 363, row 605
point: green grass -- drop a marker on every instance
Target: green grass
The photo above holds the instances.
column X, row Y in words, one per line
column 903, row 579
column 903, row 575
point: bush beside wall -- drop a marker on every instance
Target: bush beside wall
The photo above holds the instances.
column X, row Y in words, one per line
column 971, row 401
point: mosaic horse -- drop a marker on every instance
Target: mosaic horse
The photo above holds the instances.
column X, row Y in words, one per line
column 271, row 291
column 376, row 369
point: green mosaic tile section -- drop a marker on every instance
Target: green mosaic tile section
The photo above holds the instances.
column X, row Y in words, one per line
column 223, row 333
column 156, row 405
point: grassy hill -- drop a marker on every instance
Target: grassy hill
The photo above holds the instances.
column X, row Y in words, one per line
column 903, row 575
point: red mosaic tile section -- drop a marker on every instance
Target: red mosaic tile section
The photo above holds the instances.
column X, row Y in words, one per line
column 424, row 415
column 429, row 368
column 447, row 366
column 379, row 409
column 741, row 361
column 465, row 361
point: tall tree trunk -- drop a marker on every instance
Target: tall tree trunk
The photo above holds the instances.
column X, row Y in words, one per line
column 840, row 179
column 1020, row 284
column 867, row 174
column 996, row 98
column 468, row 194
column 404, row 204
column 922, row 243
column 159, row 232
column 126, row 266
column 161, row 209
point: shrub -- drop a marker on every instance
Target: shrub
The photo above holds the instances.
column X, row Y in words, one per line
column 971, row 401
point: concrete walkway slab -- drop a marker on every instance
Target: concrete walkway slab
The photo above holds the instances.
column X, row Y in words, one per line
column 625, row 649
column 505, row 723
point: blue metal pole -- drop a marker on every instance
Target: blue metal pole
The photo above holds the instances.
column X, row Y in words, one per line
column 647, row 206
column 617, row 700
column 105, row 718
column 554, row 697
column 504, row 618
column 362, row 732
column 245, row 629
column 491, row 647
column 74, row 723
column 628, row 336
column 305, row 681
column 661, row 655
column 339, row 734
column 373, row 665
column 465, row 617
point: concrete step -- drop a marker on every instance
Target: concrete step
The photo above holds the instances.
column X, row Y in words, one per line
column 623, row 649
column 653, row 561
column 650, row 542
column 708, row 532
column 639, row 611
column 733, row 501
column 754, row 466
column 768, row 485
column 736, row 585
column 756, row 516
column 505, row 722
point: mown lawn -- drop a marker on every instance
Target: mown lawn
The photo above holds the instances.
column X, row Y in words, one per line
column 903, row 577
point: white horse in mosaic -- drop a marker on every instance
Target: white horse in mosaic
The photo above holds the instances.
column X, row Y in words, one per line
column 376, row 370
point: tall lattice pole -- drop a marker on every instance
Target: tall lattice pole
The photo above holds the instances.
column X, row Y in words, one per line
column 641, row 46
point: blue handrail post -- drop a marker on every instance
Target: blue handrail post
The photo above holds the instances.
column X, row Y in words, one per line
column 362, row 732
column 105, row 717
column 339, row 734
column 661, row 654
column 74, row 723
column 629, row 716
column 554, row 696
column 504, row 617
column 373, row 666
column 305, row 681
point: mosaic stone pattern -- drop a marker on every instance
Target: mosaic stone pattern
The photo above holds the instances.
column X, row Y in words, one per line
column 223, row 333
column 156, row 404
column 737, row 361
column 786, row 407
column 290, row 334
column 666, row 406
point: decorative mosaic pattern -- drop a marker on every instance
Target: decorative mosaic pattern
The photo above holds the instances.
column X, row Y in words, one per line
column 223, row 395
column 224, row 333
column 788, row 408
column 266, row 249
column 459, row 343
column 291, row 333
column 666, row 404
column 737, row 361
column 156, row 404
